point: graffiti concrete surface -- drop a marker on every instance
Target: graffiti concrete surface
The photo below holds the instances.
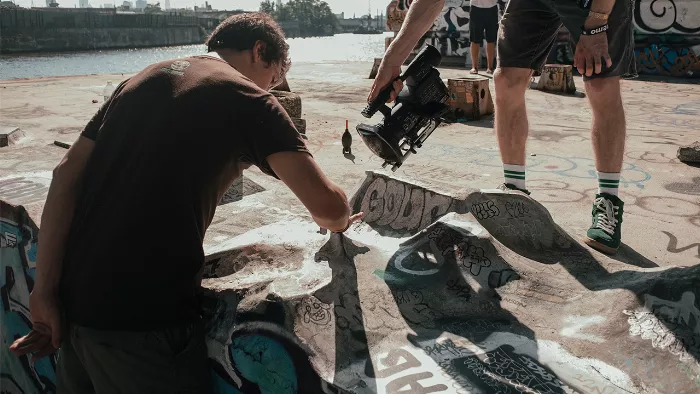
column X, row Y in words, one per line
column 432, row 293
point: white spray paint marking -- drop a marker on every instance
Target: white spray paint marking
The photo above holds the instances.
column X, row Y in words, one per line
column 453, row 364
column 659, row 320
column 576, row 324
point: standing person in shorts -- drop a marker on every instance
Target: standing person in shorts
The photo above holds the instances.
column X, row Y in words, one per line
column 483, row 24
column 602, row 33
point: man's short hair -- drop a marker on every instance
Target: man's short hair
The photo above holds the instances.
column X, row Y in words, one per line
column 241, row 32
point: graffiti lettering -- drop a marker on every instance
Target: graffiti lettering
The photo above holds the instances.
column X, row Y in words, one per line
column 665, row 60
column 485, row 210
column 446, row 346
column 396, row 361
column 591, row 387
column 667, row 16
column 398, row 385
column 315, row 311
column 18, row 246
column 516, row 209
column 402, row 207
column 461, row 291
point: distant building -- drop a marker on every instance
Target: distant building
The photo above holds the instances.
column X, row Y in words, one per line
column 140, row 4
column 167, row 4
column 108, row 5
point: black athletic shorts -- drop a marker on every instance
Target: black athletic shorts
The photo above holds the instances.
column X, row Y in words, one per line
column 528, row 29
column 483, row 20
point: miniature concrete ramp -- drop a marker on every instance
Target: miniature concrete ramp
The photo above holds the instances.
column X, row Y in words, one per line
column 421, row 298
column 433, row 293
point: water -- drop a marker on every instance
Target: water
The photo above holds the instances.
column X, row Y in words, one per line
column 341, row 47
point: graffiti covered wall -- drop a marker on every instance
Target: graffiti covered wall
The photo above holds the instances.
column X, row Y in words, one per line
column 18, row 245
column 667, row 34
column 667, row 37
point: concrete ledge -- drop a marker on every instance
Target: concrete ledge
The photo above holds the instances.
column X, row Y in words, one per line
column 10, row 135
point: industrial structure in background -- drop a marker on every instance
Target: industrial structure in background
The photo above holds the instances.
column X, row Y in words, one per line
column 667, row 35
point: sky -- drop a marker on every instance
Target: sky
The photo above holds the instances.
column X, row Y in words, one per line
column 348, row 6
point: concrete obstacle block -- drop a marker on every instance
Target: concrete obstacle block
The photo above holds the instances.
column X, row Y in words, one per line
column 375, row 67
column 300, row 124
column 690, row 153
column 10, row 135
column 470, row 98
column 290, row 101
column 284, row 86
column 557, row 78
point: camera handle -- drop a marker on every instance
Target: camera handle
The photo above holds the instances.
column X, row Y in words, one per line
column 379, row 102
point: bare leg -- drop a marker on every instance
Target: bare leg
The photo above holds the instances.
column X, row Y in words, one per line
column 608, row 132
column 511, row 117
column 475, row 55
column 490, row 54
column 608, row 138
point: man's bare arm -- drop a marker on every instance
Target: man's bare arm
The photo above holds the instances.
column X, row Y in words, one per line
column 326, row 202
column 58, row 215
column 420, row 17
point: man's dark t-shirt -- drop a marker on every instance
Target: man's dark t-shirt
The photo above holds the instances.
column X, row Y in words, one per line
column 168, row 144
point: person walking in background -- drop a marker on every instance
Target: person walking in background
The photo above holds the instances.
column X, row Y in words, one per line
column 483, row 24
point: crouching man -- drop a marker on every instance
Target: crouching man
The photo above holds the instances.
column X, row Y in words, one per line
column 121, row 250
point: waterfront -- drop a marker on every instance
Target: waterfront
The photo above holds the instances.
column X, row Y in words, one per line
column 341, row 47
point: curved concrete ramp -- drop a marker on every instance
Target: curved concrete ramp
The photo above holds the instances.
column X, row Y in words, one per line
column 433, row 293
column 462, row 294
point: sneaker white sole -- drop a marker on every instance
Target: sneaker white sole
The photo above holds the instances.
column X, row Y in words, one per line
column 599, row 246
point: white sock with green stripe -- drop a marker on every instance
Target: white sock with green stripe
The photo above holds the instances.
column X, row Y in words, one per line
column 608, row 182
column 515, row 175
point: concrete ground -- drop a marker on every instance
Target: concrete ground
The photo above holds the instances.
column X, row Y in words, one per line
column 574, row 306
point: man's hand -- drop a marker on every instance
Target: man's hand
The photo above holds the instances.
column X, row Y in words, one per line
column 589, row 52
column 45, row 336
column 385, row 75
column 353, row 218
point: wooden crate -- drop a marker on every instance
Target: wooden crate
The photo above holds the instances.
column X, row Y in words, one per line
column 470, row 98
column 557, row 78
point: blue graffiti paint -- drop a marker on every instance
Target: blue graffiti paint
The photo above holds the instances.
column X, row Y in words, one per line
column 691, row 108
column 666, row 60
column 17, row 269
column 264, row 362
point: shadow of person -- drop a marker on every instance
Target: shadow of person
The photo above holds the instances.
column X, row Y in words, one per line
column 443, row 280
column 444, row 275
column 350, row 336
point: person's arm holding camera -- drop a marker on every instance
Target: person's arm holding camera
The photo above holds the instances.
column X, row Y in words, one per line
column 420, row 18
